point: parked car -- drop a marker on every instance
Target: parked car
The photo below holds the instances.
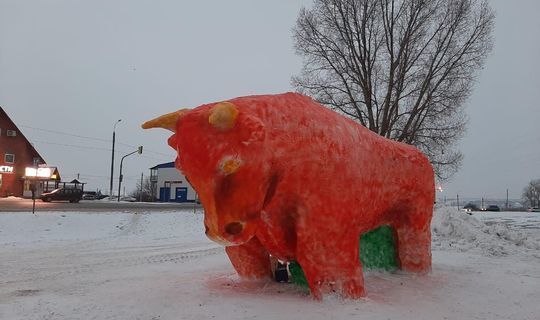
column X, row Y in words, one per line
column 128, row 198
column 123, row 198
column 89, row 195
column 535, row 209
column 470, row 207
column 493, row 208
column 62, row 194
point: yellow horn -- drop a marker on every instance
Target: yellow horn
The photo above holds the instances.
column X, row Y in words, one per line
column 166, row 121
column 223, row 115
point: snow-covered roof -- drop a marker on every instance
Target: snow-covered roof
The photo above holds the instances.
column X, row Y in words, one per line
column 164, row 165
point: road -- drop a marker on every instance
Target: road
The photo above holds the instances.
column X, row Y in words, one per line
column 25, row 205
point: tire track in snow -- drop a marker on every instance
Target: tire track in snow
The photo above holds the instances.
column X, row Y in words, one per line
column 93, row 263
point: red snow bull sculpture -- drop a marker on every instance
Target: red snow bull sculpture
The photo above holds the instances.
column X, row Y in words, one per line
column 282, row 175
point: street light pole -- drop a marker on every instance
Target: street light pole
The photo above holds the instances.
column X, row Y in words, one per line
column 121, row 177
column 112, row 159
column 140, row 194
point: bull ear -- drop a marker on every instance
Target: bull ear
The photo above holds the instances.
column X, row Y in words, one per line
column 223, row 115
column 167, row 121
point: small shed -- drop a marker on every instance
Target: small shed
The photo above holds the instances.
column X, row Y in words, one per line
column 74, row 184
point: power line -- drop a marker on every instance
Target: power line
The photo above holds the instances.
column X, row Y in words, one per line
column 72, row 145
column 87, row 137
column 97, row 148
column 84, row 175
column 65, row 133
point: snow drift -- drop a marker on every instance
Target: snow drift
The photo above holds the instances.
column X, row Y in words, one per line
column 461, row 231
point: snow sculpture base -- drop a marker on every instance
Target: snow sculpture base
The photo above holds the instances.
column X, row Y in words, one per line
column 283, row 176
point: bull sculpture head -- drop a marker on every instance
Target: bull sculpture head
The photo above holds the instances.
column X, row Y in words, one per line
column 220, row 150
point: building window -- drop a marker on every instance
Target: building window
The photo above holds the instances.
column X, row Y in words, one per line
column 9, row 158
column 11, row 133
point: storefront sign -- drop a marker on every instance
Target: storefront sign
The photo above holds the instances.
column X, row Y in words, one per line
column 6, row 169
column 39, row 172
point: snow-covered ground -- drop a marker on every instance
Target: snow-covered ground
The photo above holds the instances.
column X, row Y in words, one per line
column 159, row 265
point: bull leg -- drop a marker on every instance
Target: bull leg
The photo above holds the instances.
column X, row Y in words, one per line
column 332, row 264
column 250, row 260
column 414, row 241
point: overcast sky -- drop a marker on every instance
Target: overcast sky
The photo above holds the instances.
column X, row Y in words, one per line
column 70, row 69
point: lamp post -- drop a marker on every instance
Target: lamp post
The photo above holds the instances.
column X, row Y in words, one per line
column 33, row 189
column 112, row 159
column 121, row 177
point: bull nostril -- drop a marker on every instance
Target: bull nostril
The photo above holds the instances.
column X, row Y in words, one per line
column 234, row 228
column 206, row 229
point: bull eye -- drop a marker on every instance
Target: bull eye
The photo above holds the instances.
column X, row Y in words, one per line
column 229, row 166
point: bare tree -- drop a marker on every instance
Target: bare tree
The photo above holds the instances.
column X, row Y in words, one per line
column 148, row 193
column 531, row 193
column 402, row 68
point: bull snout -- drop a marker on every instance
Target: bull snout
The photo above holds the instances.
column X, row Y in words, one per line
column 233, row 233
column 231, row 230
column 234, row 228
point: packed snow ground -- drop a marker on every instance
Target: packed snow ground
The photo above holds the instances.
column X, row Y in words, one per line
column 159, row 265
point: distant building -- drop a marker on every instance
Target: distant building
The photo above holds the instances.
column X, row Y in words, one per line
column 169, row 185
column 16, row 154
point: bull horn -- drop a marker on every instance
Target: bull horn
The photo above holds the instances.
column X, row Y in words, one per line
column 166, row 121
column 223, row 115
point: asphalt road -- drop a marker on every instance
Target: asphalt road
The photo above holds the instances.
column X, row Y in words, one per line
column 25, row 205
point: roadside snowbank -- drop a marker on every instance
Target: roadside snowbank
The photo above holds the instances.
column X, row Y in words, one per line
column 463, row 232
column 11, row 198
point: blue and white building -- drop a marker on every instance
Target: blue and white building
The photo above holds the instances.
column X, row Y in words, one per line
column 170, row 185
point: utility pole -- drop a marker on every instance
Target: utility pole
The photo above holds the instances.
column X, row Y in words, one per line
column 140, row 194
column 112, row 160
column 507, row 198
column 457, row 198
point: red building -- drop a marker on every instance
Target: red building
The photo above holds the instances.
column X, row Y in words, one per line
column 16, row 154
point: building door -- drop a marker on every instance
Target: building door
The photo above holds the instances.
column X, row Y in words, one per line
column 181, row 194
column 164, row 194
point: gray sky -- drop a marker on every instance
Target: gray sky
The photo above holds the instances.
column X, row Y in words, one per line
column 78, row 66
